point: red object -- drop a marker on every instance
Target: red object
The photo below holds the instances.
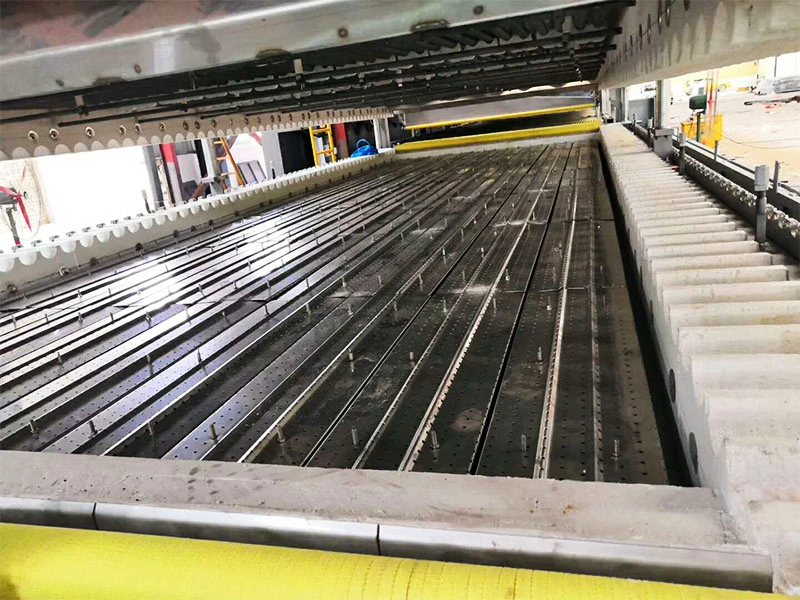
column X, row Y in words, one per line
column 168, row 152
column 340, row 140
column 18, row 197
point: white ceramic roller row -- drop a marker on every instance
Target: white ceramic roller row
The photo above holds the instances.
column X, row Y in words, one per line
column 29, row 253
column 727, row 320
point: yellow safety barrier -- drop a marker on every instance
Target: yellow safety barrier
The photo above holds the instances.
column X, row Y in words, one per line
column 515, row 115
column 586, row 126
column 38, row 563
column 710, row 129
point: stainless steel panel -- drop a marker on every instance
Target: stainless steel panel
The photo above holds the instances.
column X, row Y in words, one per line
column 720, row 568
column 274, row 530
column 52, row 513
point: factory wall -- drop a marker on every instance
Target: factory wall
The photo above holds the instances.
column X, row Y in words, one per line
column 94, row 187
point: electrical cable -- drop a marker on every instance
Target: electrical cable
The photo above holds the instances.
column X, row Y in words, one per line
column 750, row 145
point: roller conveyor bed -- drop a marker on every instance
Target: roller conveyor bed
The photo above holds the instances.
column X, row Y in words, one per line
column 464, row 313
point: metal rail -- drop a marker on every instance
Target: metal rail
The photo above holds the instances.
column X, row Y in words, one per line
column 422, row 309
column 196, row 321
column 315, row 322
column 408, row 303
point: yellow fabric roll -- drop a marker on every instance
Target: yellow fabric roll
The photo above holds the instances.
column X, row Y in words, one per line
column 48, row 563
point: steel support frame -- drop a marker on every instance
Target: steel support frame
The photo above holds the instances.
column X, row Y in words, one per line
column 381, row 127
column 662, row 103
column 46, row 136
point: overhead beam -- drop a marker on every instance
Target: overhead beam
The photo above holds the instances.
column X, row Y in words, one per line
column 500, row 110
column 584, row 126
column 674, row 37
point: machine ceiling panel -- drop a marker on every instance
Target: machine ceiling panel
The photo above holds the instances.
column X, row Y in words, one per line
column 322, row 57
column 71, row 45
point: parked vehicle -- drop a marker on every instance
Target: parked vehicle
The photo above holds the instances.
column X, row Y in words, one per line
column 781, row 85
column 765, row 87
column 784, row 85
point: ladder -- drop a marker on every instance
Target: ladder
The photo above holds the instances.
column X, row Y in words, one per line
column 326, row 130
column 222, row 144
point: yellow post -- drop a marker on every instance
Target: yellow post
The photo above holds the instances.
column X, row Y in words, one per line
column 313, row 145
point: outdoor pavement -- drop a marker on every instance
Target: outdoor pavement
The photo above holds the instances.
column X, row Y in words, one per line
column 754, row 135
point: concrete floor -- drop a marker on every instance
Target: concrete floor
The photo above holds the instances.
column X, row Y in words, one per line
column 754, row 135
